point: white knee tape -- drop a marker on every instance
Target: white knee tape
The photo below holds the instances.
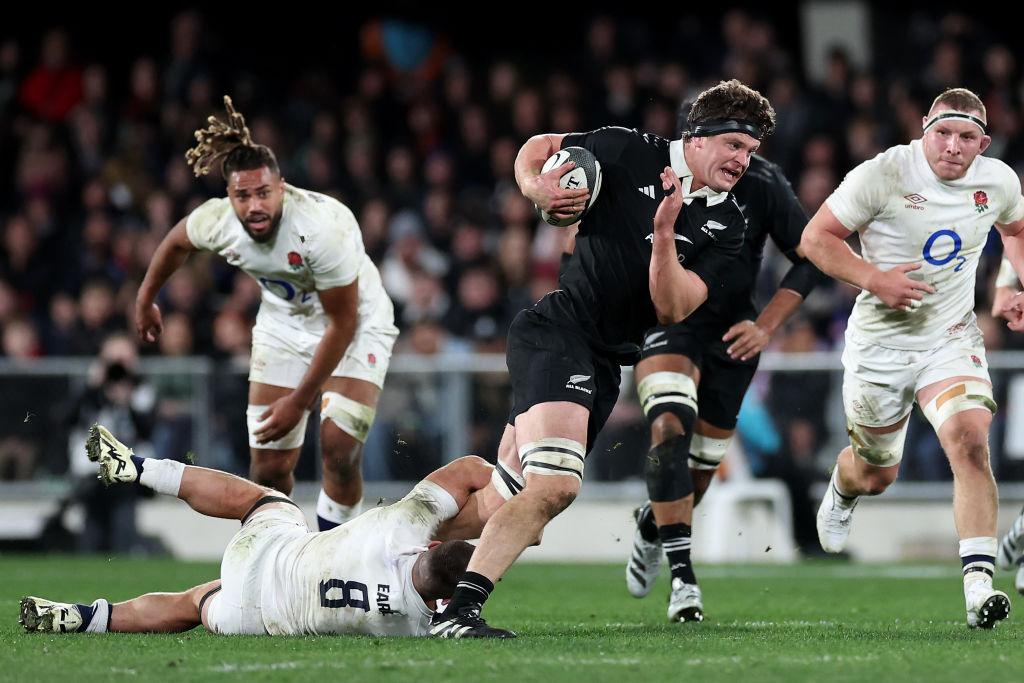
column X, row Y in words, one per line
column 506, row 482
column 351, row 417
column 880, row 450
column 958, row 398
column 706, row 453
column 553, row 456
column 666, row 387
column 292, row 439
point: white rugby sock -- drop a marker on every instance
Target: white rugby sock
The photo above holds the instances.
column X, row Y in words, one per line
column 163, row 476
column 334, row 513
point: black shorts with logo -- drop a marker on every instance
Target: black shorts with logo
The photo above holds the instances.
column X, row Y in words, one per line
column 548, row 362
column 723, row 381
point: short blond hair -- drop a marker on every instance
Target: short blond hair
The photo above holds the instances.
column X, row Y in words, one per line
column 960, row 99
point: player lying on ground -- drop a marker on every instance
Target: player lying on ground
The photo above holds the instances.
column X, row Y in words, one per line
column 379, row 574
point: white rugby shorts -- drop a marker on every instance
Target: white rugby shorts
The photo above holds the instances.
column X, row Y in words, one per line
column 880, row 383
column 280, row 357
column 236, row 608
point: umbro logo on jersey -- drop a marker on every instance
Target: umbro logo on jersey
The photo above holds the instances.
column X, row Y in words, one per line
column 914, row 200
column 575, row 380
column 647, row 190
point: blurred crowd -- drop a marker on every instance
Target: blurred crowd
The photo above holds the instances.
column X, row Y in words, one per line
column 418, row 135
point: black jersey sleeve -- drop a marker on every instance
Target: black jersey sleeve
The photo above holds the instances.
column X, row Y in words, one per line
column 607, row 144
column 786, row 221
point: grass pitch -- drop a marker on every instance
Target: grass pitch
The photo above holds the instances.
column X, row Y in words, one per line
column 815, row 621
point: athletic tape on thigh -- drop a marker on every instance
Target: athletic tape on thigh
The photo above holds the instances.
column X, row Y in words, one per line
column 706, row 453
column 669, row 389
column 292, row 439
column 958, row 398
column 667, row 472
column 553, row 456
column 352, row 417
column 507, row 482
column 880, row 450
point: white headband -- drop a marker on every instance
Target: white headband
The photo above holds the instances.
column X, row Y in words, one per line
column 956, row 116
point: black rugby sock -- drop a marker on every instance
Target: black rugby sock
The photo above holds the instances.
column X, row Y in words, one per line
column 675, row 538
column 470, row 594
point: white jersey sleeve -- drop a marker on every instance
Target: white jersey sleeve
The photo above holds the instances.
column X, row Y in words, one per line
column 861, row 195
column 334, row 250
column 209, row 225
column 356, row 578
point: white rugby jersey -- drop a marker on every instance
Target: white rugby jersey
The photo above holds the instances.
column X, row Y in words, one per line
column 906, row 214
column 317, row 246
column 356, row 578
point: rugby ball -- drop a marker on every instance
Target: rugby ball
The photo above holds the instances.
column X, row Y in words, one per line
column 586, row 173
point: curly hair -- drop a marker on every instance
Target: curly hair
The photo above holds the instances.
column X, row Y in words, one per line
column 732, row 100
column 230, row 143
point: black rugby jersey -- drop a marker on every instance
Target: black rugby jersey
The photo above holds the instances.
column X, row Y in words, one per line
column 604, row 292
column 771, row 209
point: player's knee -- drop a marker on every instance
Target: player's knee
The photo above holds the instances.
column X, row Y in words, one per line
column 341, row 454
column 667, row 471
column 876, row 482
column 273, row 472
column 669, row 401
column 969, row 449
column 557, row 497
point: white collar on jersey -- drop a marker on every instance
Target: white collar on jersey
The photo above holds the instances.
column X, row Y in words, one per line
column 677, row 158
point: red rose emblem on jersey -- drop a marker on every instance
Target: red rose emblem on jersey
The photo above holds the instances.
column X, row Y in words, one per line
column 976, row 361
column 294, row 260
column 980, row 201
column 371, row 358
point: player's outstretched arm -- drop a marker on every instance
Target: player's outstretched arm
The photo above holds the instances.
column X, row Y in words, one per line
column 169, row 256
column 824, row 242
column 675, row 291
column 542, row 188
column 468, row 480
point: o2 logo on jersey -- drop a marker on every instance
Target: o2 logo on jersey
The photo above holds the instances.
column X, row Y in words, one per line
column 285, row 290
column 953, row 254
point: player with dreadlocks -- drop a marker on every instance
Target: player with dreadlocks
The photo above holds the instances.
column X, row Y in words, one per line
column 325, row 324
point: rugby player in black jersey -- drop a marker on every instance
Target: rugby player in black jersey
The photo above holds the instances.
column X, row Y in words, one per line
column 663, row 234
column 708, row 360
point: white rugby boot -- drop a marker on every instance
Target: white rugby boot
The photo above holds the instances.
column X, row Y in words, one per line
column 47, row 616
column 835, row 517
column 985, row 604
column 644, row 563
column 685, row 603
column 114, row 457
column 1011, row 548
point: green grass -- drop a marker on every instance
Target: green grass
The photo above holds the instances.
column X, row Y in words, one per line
column 826, row 621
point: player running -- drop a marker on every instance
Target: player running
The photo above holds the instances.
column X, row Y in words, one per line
column 708, row 361
column 923, row 212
